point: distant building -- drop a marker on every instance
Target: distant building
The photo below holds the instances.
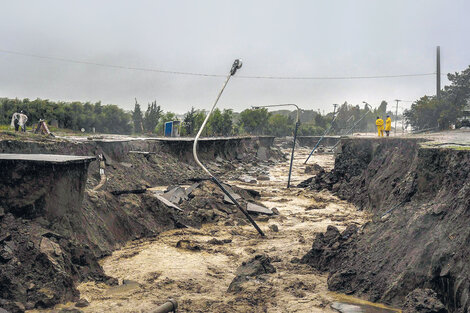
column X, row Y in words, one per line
column 464, row 121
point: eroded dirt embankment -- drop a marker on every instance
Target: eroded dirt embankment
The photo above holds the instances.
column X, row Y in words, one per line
column 419, row 236
column 42, row 259
column 214, row 268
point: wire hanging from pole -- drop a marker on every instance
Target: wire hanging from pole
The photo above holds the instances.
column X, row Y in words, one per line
column 145, row 69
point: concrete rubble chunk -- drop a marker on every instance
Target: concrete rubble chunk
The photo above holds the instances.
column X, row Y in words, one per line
column 248, row 179
column 189, row 190
column 175, row 195
column 232, row 193
column 262, row 153
column 258, row 209
column 168, row 203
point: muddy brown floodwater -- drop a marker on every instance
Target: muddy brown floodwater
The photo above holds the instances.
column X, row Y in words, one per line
column 154, row 269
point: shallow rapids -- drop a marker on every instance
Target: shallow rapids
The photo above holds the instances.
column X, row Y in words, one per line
column 197, row 275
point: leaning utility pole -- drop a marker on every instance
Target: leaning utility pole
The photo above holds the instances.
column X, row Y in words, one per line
column 438, row 72
column 396, row 116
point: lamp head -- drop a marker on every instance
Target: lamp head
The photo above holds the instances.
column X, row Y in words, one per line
column 237, row 64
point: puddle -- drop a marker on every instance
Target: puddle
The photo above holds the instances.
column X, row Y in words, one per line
column 348, row 304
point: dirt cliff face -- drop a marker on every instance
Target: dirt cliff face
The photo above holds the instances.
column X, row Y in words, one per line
column 44, row 255
column 418, row 236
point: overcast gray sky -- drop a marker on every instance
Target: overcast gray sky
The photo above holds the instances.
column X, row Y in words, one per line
column 274, row 38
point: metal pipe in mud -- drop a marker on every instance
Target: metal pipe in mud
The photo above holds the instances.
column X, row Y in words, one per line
column 238, row 205
column 292, row 156
column 237, row 64
column 169, row 306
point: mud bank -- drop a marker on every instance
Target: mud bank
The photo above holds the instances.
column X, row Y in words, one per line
column 418, row 236
column 43, row 257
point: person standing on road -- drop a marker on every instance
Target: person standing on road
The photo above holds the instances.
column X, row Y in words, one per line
column 388, row 125
column 380, row 126
column 19, row 120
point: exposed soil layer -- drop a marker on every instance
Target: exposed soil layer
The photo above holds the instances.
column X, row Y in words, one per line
column 419, row 235
column 44, row 255
column 196, row 267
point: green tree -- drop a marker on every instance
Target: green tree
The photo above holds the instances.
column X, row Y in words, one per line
column 137, row 118
column 382, row 109
column 188, row 122
column 431, row 112
column 152, row 116
column 220, row 123
column 280, row 125
column 74, row 115
column 254, row 121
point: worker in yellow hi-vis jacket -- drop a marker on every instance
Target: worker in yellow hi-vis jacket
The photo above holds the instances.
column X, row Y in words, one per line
column 388, row 125
column 380, row 126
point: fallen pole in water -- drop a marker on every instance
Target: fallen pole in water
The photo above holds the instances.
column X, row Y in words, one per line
column 169, row 306
column 236, row 65
column 297, row 124
column 321, row 138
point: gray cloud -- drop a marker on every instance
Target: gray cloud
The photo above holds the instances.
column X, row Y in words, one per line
column 280, row 38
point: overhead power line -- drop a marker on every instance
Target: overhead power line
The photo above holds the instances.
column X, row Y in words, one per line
column 144, row 69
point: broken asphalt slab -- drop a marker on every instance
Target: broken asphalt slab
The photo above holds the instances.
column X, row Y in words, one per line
column 257, row 209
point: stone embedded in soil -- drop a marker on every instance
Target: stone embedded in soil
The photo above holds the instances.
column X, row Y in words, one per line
column 255, row 267
column 274, row 228
column 82, row 303
column 313, row 169
column 263, row 177
column 215, row 241
column 423, row 301
column 316, row 207
column 247, row 179
column 326, row 246
column 275, row 211
column 187, row 245
column 70, row 310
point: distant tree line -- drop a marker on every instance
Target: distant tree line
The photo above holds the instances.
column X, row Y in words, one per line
column 72, row 115
column 432, row 112
column 112, row 119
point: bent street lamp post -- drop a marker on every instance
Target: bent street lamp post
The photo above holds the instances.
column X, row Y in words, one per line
column 297, row 123
column 237, row 64
column 321, row 138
